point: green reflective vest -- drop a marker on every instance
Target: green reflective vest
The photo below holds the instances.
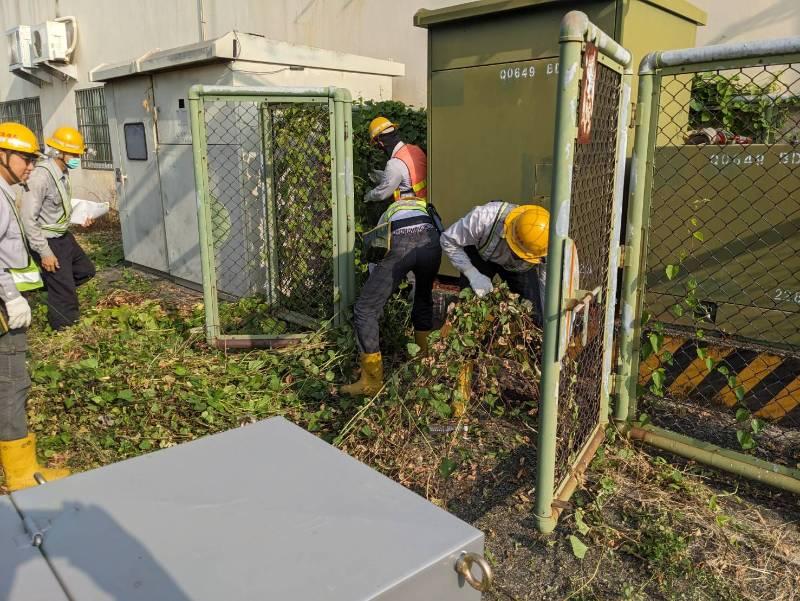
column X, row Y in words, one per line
column 406, row 204
column 27, row 277
column 62, row 225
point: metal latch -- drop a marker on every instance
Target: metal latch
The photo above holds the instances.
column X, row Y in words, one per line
column 582, row 300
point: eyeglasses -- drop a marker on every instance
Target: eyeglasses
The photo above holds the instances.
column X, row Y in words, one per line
column 28, row 158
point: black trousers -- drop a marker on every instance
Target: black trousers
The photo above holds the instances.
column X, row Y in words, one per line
column 75, row 268
column 528, row 284
column 419, row 252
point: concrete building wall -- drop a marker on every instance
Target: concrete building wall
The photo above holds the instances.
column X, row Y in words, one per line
column 744, row 20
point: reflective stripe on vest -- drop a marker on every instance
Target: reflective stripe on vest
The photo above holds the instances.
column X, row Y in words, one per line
column 497, row 235
column 414, row 159
column 27, row 277
column 62, row 225
column 403, row 205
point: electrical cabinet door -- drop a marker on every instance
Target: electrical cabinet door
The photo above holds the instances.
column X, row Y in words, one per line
column 138, row 183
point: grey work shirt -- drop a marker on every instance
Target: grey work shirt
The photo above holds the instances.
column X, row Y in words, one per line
column 41, row 205
column 12, row 245
column 395, row 175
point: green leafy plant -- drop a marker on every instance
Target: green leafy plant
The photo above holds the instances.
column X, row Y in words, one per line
column 742, row 107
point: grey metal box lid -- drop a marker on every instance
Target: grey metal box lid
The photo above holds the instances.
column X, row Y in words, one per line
column 24, row 573
column 266, row 511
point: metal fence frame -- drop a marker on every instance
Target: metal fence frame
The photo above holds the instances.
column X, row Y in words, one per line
column 339, row 103
column 576, row 32
column 653, row 67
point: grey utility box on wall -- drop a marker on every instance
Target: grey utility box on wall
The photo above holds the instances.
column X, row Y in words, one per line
column 266, row 511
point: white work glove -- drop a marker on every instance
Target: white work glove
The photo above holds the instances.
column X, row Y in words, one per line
column 479, row 283
column 19, row 313
column 375, row 176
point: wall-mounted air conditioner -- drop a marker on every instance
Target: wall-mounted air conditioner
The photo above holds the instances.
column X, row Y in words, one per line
column 19, row 47
column 49, row 42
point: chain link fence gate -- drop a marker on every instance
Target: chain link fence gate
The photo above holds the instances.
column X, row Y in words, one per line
column 274, row 175
column 711, row 306
column 583, row 257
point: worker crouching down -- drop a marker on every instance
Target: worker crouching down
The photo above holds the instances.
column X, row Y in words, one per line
column 19, row 150
column 405, row 240
column 503, row 239
column 46, row 211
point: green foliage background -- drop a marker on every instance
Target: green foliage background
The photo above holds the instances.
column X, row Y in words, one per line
column 742, row 107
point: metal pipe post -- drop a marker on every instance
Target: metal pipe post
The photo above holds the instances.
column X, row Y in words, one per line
column 200, row 154
column 563, row 153
column 724, row 459
column 632, row 277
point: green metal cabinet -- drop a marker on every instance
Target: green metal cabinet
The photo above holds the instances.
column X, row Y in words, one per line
column 492, row 75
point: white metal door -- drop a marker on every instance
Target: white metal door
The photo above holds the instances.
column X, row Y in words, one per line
column 138, row 181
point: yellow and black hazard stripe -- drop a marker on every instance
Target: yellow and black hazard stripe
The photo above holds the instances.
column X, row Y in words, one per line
column 770, row 382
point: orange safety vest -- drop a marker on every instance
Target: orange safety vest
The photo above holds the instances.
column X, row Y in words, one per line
column 414, row 158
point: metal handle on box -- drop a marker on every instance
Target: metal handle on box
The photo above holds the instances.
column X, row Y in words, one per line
column 464, row 568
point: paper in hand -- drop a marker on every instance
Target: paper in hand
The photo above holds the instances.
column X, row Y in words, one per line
column 85, row 209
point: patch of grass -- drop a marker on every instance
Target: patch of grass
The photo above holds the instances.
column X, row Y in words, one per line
column 101, row 242
column 690, row 541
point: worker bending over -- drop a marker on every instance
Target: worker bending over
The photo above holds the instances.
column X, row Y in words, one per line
column 19, row 150
column 500, row 238
column 46, row 210
column 411, row 244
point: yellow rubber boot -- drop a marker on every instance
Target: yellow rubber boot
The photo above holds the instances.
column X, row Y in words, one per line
column 421, row 338
column 19, row 464
column 371, row 379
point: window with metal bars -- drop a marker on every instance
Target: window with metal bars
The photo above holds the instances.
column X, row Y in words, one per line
column 27, row 111
column 90, row 105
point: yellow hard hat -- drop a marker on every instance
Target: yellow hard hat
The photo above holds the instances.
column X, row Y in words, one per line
column 379, row 125
column 67, row 139
column 17, row 137
column 526, row 229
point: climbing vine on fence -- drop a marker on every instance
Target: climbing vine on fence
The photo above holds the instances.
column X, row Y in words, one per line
column 698, row 313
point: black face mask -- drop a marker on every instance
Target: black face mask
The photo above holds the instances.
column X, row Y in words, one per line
column 388, row 142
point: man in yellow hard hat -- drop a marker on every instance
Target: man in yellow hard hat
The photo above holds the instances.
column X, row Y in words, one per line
column 409, row 237
column 19, row 151
column 46, row 210
column 406, row 171
column 503, row 239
